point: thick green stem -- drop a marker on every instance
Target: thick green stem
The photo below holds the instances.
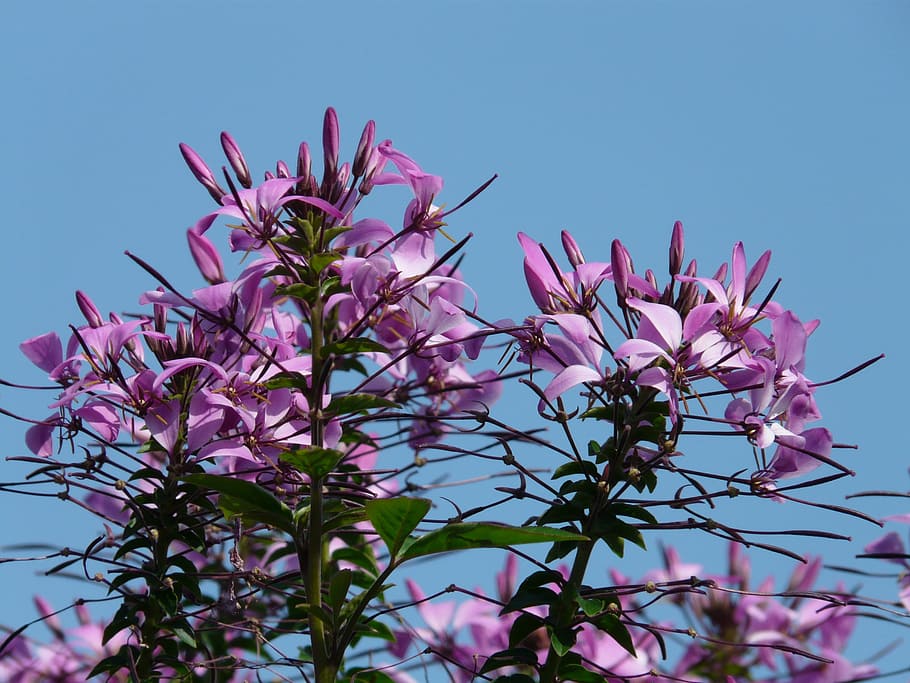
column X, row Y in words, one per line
column 324, row 660
column 564, row 611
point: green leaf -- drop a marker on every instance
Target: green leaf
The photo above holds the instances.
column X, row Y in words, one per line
column 395, row 518
column 510, row 657
column 338, row 588
column 298, row 290
column 287, row 380
column 240, row 498
column 612, row 626
column 358, row 403
column 523, row 626
column 590, row 606
column 353, row 346
column 616, row 544
column 185, row 633
column 576, row 672
column 318, row 611
column 515, row 678
column 312, row 460
column 356, row 556
column 123, row 618
column 585, row 467
column 562, row 640
column 529, row 597
column 328, row 234
column 465, row 535
column 344, row 519
column 376, row 629
column 628, row 510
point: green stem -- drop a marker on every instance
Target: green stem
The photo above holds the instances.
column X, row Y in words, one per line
column 325, row 661
column 563, row 612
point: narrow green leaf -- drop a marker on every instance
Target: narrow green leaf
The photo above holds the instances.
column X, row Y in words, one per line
column 358, row 403
column 353, row 346
column 628, row 510
column 576, row 672
column 510, row 657
column 395, row 518
column 287, row 380
column 585, row 467
column 465, row 535
column 338, row 588
column 185, row 634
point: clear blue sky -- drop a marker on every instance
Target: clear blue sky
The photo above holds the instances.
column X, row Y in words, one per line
column 781, row 124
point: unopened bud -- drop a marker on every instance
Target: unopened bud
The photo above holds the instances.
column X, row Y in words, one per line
column 344, row 174
column 573, row 251
column 304, row 162
column 753, row 279
column 202, row 172
column 721, row 273
column 89, row 310
column 182, row 340
column 206, row 257
column 619, row 258
column 677, row 248
column 160, row 315
column 364, row 148
column 651, row 278
column 236, row 160
column 330, row 144
column 282, row 170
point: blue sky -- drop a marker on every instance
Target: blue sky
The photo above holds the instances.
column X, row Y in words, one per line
column 780, row 124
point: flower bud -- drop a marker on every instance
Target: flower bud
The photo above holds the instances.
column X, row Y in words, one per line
column 619, row 258
column 182, row 340
column 374, row 164
column 753, row 279
column 202, row 172
column 330, row 145
column 652, row 280
column 89, row 310
column 364, row 148
column 573, row 251
column 304, row 162
column 236, row 160
column 282, row 170
column 677, row 248
column 344, row 174
column 206, row 257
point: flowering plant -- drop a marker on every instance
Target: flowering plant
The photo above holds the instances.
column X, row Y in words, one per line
column 241, row 445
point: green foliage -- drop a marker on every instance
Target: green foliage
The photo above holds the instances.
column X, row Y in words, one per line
column 466, row 535
column 241, row 498
column 395, row 518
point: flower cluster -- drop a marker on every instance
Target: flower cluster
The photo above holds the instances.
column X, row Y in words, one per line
column 677, row 340
column 225, row 374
